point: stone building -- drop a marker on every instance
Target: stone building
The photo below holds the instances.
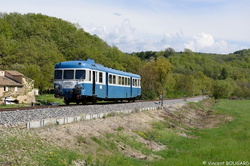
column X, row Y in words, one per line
column 14, row 86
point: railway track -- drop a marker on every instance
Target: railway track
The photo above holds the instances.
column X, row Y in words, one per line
column 72, row 105
column 62, row 113
column 51, row 106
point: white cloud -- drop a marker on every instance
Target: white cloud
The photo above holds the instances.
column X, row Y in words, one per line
column 125, row 37
column 203, row 42
column 153, row 24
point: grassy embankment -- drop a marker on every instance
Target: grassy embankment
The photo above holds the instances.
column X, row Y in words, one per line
column 230, row 142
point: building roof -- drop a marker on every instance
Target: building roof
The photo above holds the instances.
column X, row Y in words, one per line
column 5, row 81
column 14, row 73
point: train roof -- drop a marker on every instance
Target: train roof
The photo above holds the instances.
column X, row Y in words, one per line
column 90, row 64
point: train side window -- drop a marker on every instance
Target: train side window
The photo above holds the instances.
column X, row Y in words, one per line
column 123, row 81
column 120, row 80
column 80, row 74
column 58, row 74
column 110, row 79
column 114, row 79
column 94, row 76
column 100, row 77
column 89, row 75
column 128, row 81
column 68, row 74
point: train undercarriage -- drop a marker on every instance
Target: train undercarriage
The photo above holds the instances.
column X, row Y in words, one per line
column 90, row 99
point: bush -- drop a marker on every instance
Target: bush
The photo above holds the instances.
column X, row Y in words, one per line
column 148, row 94
column 223, row 88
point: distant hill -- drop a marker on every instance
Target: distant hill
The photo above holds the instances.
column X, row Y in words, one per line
column 33, row 43
column 196, row 73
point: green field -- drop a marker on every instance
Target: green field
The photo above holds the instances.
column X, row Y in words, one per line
column 49, row 98
column 227, row 144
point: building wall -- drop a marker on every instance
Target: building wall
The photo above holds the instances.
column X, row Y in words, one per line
column 1, row 94
column 2, row 73
column 24, row 94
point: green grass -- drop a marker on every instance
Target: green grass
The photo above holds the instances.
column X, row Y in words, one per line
column 14, row 105
column 20, row 147
column 230, row 142
column 49, row 98
column 41, row 99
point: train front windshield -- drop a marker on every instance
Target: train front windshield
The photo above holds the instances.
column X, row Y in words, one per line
column 69, row 74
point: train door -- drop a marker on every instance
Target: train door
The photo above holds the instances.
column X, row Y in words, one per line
column 131, row 89
column 107, row 84
column 93, row 82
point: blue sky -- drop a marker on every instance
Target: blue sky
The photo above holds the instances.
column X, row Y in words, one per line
column 211, row 26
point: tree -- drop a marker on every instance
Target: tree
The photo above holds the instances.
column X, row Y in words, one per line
column 169, row 52
column 223, row 88
column 162, row 68
column 224, row 73
column 155, row 75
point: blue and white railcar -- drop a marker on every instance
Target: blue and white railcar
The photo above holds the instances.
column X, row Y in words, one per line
column 86, row 81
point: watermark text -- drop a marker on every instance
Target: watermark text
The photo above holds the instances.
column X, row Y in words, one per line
column 227, row 163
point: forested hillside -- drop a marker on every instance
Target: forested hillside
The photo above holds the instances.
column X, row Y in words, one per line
column 192, row 73
column 33, row 43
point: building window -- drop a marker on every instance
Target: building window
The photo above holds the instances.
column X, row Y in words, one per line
column 16, row 89
column 6, row 88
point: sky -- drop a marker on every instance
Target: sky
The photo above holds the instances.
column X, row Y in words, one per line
column 207, row 26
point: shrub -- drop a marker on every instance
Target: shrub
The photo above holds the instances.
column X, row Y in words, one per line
column 223, row 88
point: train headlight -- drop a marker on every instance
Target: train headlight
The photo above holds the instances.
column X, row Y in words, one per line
column 58, row 86
column 78, row 87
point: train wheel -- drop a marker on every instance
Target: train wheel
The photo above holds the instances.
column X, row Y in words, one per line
column 84, row 101
column 94, row 101
column 66, row 101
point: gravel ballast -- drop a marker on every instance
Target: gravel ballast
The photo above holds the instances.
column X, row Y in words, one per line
column 15, row 118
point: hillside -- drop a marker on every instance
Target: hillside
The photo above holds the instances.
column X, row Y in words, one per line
column 194, row 73
column 33, row 43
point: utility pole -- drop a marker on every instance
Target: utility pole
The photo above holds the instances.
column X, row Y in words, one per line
column 161, row 98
